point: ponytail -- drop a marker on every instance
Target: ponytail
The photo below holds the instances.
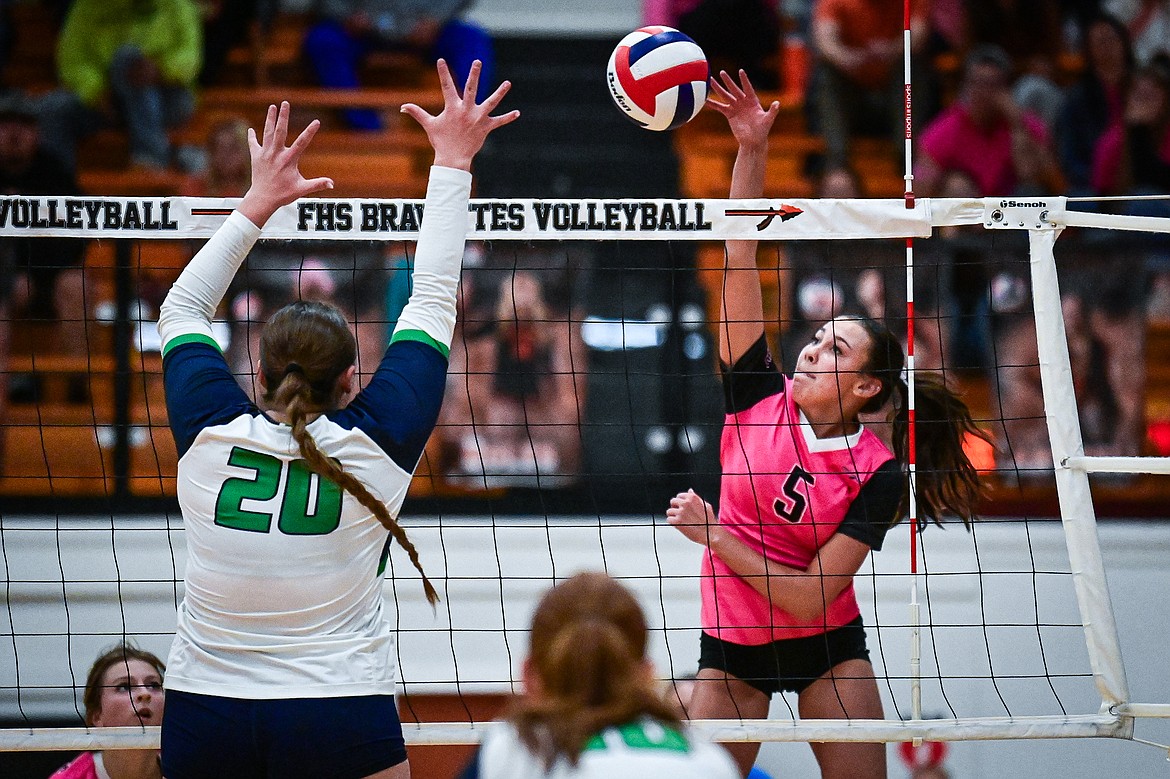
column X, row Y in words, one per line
column 294, row 395
column 588, row 651
column 945, row 479
column 305, row 347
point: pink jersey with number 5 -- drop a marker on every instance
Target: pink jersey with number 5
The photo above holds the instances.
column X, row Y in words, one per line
column 784, row 493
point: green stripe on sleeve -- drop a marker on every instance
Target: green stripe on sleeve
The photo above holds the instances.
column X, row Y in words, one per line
column 421, row 337
column 190, row 338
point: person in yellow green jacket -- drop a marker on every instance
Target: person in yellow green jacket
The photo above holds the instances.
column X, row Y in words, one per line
column 136, row 61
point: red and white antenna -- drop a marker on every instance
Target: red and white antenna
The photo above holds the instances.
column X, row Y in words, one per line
column 912, row 506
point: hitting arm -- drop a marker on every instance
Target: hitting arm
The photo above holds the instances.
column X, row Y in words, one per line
column 741, row 318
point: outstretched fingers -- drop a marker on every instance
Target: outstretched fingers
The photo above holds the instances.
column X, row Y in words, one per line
column 749, row 93
column 318, row 184
column 446, row 83
column 280, row 133
column 734, row 88
column 269, row 126
column 731, row 96
column 276, row 176
column 471, row 88
column 493, row 101
column 503, row 119
column 302, row 140
column 416, row 113
column 490, row 102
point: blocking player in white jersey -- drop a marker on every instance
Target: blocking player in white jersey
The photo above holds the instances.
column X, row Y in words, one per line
column 591, row 708
column 283, row 663
column 807, row 493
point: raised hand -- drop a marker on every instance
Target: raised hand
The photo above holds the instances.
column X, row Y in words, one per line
column 276, row 175
column 458, row 132
column 749, row 122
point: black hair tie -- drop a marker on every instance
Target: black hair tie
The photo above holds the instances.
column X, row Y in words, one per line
column 292, row 367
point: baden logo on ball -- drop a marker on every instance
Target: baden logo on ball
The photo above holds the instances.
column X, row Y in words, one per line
column 658, row 77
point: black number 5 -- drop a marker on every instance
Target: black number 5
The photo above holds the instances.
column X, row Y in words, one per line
column 793, row 509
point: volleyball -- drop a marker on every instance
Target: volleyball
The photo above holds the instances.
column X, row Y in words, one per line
column 658, row 77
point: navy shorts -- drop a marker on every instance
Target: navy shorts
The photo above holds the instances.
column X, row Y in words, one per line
column 789, row 665
column 346, row 738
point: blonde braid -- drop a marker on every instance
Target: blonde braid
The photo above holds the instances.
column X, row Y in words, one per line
column 296, row 389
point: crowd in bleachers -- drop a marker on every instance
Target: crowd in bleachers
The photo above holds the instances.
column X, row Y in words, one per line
column 1011, row 97
column 154, row 97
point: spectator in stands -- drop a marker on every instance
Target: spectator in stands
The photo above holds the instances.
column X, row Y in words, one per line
column 1133, row 156
column 967, row 249
column 1030, row 31
column 1103, row 316
column 1149, row 25
column 350, row 275
column 590, row 705
column 44, row 275
column 832, row 278
column 124, row 689
column 859, row 76
column 733, row 34
column 137, row 61
column 1096, row 101
column 348, row 30
column 515, row 391
column 987, row 136
column 229, row 166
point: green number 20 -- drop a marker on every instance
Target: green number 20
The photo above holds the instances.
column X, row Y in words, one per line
column 297, row 517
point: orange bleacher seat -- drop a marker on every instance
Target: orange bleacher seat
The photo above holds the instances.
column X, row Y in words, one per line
column 274, row 55
column 57, row 460
column 384, row 174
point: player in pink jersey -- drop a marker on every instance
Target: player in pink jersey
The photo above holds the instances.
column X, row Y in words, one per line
column 807, row 493
column 124, row 689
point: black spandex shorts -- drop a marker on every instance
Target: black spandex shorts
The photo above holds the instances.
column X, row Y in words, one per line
column 789, row 665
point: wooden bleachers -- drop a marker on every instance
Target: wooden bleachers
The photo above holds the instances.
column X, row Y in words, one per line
column 61, row 444
column 61, row 448
column 706, row 156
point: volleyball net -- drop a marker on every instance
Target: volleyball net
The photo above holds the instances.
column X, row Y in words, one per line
column 583, row 393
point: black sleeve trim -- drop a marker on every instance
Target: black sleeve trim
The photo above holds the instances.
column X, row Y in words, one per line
column 875, row 509
column 753, row 377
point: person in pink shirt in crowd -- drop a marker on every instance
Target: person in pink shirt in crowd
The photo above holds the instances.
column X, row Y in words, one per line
column 807, row 493
column 124, row 689
column 1096, row 101
column 985, row 135
column 1133, row 156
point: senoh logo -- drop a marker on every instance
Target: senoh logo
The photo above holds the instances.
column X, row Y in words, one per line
column 1023, row 204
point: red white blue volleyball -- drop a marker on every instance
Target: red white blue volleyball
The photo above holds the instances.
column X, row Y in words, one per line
column 658, row 77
